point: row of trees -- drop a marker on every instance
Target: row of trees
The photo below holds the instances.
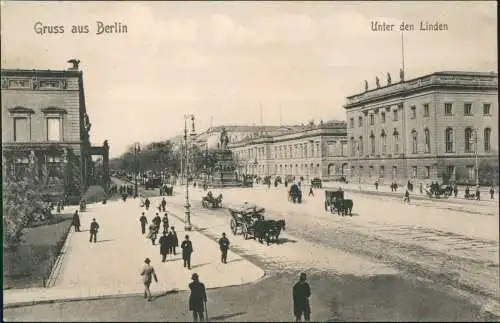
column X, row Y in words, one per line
column 161, row 156
column 22, row 203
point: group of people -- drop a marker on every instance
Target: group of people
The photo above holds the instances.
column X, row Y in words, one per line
column 94, row 227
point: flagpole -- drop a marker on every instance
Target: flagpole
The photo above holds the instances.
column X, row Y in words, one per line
column 403, row 51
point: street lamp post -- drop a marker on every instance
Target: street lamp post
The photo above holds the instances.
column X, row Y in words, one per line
column 137, row 148
column 476, row 158
column 187, row 205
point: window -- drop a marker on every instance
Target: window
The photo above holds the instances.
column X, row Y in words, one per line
column 372, row 143
column 395, row 115
column 394, row 171
column 372, row 119
column 487, row 140
column 448, row 109
column 382, row 172
column 382, row 117
column 351, row 122
column 360, row 121
column 396, row 141
column 470, row 172
column 427, row 141
column 353, row 147
column 414, row 171
column 469, row 145
column 360, row 145
column 21, row 129
column 413, row 112
column 486, row 108
column 449, row 140
column 383, row 139
column 370, row 171
column 414, row 144
column 427, row 172
column 467, row 109
column 426, row 110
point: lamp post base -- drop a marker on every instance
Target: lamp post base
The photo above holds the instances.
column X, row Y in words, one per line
column 187, row 217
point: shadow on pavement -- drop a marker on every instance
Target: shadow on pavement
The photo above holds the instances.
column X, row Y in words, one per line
column 105, row 240
column 200, row 265
column 226, row 316
column 162, row 294
column 235, row 260
column 286, row 240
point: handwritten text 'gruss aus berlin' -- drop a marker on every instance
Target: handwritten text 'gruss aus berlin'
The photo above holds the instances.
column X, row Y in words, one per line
column 404, row 26
column 101, row 28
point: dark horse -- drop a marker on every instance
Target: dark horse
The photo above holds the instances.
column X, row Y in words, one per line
column 269, row 230
column 343, row 206
column 295, row 194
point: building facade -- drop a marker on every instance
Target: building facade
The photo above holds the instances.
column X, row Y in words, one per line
column 45, row 122
column 430, row 128
column 305, row 151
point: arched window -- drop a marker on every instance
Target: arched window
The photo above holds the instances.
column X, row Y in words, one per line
column 487, row 140
column 383, row 141
column 427, row 140
column 414, row 145
column 469, row 137
column 360, row 145
column 395, row 135
column 353, row 147
column 449, row 140
column 372, row 142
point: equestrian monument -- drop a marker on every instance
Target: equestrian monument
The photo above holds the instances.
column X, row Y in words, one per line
column 224, row 170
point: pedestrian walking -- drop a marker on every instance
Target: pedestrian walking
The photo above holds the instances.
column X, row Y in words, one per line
column 165, row 222
column 406, row 196
column 175, row 241
column 94, row 227
column 492, row 192
column 376, row 185
column 478, row 193
column 187, row 250
column 76, row 221
column 197, row 298
column 163, row 204
column 157, row 220
column 311, row 191
column 164, row 246
column 143, row 221
column 455, row 190
column 148, row 273
column 147, row 203
column 224, row 247
column 152, row 233
column 301, row 293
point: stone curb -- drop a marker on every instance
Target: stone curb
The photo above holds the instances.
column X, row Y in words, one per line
column 56, row 269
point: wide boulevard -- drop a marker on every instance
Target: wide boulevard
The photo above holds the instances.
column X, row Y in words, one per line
column 427, row 260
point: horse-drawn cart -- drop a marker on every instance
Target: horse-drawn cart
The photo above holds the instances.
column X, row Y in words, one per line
column 243, row 220
column 334, row 200
column 210, row 200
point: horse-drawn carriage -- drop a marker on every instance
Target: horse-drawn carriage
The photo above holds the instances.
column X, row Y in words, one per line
column 249, row 221
column 334, row 200
column 295, row 193
column 438, row 191
column 210, row 200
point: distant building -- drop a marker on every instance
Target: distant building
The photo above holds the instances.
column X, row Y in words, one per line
column 424, row 129
column 302, row 151
column 44, row 119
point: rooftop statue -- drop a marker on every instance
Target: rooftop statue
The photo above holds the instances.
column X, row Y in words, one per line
column 389, row 81
column 366, row 85
column 377, row 81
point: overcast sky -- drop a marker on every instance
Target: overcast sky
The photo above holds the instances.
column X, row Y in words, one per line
column 226, row 60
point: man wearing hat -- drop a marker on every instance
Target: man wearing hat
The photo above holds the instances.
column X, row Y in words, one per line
column 164, row 245
column 301, row 294
column 187, row 250
column 224, row 246
column 198, row 298
column 147, row 273
column 94, row 227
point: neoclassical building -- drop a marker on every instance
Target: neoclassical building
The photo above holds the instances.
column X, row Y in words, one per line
column 45, row 122
column 427, row 128
column 302, row 151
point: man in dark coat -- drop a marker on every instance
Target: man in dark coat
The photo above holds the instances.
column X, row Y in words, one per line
column 165, row 222
column 187, row 250
column 175, row 242
column 147, row 203
column 164, row 246
column 94, row 227
column 157, row 221
column 197, row 298
column 301, row 294
column 76, row 221
column 144, row 221
column 163, row 204
column 492, row 192
column 224, row 246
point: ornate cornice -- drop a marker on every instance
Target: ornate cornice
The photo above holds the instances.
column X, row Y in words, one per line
column 33, row 83
column 54, row 110
column 19, row 109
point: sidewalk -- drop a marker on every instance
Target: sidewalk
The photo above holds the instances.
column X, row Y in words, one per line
column 111, row 267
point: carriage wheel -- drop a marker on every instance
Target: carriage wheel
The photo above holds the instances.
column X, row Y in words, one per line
column 244, row 230
column 232, row 224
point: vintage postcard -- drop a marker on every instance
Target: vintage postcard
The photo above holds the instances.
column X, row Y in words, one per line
column 251, row 161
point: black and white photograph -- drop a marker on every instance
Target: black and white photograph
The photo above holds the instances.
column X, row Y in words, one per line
column 250, row 161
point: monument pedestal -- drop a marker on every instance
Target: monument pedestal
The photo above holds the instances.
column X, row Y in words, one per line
column 224, row 172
